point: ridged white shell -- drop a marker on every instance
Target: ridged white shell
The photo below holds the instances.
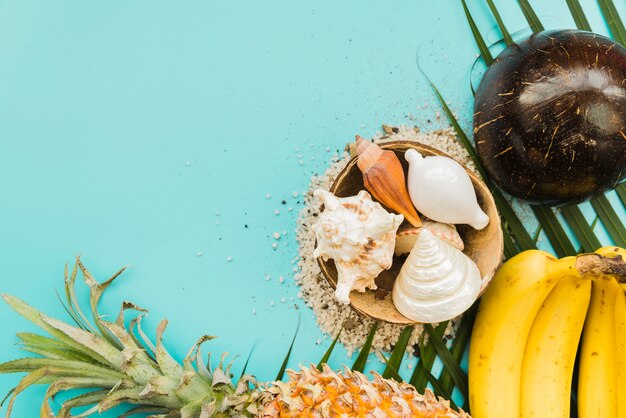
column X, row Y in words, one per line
column 359, row 235
column 441, row 189
column 436, row 283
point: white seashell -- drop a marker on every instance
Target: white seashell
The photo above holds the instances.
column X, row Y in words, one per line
column 359, row 235
column 436, row 283
column 407, row 235
column 441, row 189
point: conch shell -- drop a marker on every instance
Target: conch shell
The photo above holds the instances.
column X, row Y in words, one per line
column 441, row 190
column 436, row 283
column 384, row 177
column 407, row 235
column 359, row 235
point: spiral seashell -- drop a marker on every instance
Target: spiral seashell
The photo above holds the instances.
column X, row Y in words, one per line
column 436, row 283
column 384, row 177
column 359, row 235
column 441, row 189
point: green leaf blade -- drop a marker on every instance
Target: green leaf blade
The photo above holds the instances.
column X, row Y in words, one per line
column 531, row 17
column 578, row 15
column 458, row 375
column 283, row 366
column 519, row 232
column 397, row 354
column 324, row 359
column 392, row 372
column 459, row 345
column 613, row 21
column 510, row 249
column 621, row 193
column 480, row 41
column 610, row 220
column 438, row 388
column 556, row 234
column 427, row 358
column 581, row 229
column 359, row 364
column 508, row 40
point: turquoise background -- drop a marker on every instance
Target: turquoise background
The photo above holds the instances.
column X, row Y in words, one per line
column 141, row 133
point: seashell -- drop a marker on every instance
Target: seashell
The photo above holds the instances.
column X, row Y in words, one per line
column 384, row 177
column 437, row 282
column 407, row 235
column 359, row 235
column 441, row 189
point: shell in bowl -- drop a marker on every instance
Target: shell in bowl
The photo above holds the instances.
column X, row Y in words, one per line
column 485, row 246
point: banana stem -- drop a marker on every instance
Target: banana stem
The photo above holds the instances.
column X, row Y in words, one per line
column 596, row 265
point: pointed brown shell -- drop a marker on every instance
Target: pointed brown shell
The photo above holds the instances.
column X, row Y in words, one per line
column 384, row 177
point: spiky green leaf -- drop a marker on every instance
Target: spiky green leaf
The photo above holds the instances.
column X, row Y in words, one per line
column 43, row 322
column 480, row 41
column 397, row 354
column 508, row 40
column 328, row 352
column 283, row 366
column 581, row 229
column 438, row 388
column 578, row 15
column 72, row 300
column 458, row 375
column 554, row 231
column 96, row 290
column 459, row 345
column 613, row 21
column 610, row 220
column 426, row 359
column 621, row 193
column 361, row 360
column 392, row 372
column 531, row 16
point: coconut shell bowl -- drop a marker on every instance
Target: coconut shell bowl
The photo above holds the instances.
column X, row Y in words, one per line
column 485, row 246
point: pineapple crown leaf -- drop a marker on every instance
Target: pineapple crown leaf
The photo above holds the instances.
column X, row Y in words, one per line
column 120, row 363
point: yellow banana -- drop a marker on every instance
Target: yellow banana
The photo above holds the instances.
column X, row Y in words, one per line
column 620, row 333
column 620, row 337
column 597, row 378
column 551, row 347
column 505, row 315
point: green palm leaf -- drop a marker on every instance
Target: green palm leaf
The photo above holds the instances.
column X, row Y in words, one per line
column 392, row 372
column 398, row 352
column 456, row 372
column 328, row 352
column 610, row 220
column 621, row 193
column 531, row 16
column 459, row 345
column 508, row 40
column 613, row 21
column 556, row 234
column 426, row 360
column 283, row 366
column 581, row 229
column 578, row 15
column 480, row 41
column 361, row 360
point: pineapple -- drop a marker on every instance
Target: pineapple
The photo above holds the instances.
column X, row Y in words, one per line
column 314, row 393
column 121, row 365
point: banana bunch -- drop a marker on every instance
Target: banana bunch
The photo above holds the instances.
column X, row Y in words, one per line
column 528, row 332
